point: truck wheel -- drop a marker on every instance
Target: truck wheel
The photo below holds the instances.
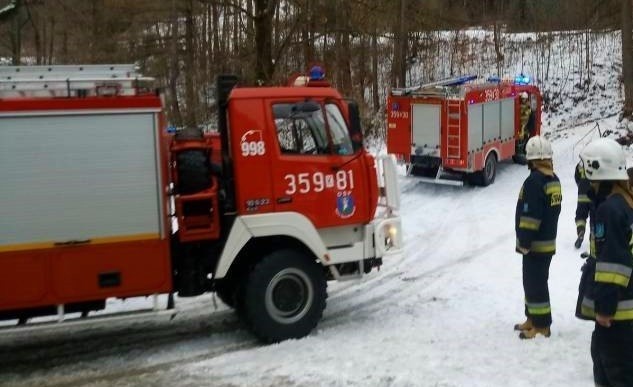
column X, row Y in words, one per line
column 490, row 170
column 225, row 289
column 486, row 176
column 284, row 296
column 194, row 173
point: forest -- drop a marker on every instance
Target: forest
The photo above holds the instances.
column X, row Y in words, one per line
column 366, row 46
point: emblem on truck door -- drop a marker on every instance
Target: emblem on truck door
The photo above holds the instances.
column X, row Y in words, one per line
column 345, row 205
column 252, row 143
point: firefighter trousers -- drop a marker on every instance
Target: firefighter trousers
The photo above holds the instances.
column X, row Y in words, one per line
column 612, row 354
column 535, row 276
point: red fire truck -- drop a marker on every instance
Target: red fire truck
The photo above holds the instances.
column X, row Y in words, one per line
column 459, row 127
column 99, row 200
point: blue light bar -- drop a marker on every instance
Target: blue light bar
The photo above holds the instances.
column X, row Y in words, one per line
column 317, row 73
column 522, row 79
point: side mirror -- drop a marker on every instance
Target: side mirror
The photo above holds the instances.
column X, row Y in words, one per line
column 355, row 130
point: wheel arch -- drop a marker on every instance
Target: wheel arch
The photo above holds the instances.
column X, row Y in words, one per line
column 494, row 151
column 255, row 236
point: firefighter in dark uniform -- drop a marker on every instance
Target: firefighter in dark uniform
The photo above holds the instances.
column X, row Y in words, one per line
column 609, row 299
column 536, row 224
column 584, row 208
column 524, row 128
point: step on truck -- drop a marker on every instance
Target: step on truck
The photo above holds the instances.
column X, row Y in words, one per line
column 460, row 128
column 100, row 200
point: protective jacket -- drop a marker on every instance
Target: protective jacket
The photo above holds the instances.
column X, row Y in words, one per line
column 611, row 291
column 537, row 211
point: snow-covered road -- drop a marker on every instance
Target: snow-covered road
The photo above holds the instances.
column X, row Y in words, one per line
column 439, row 315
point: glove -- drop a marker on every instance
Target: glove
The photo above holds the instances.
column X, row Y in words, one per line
column 580, row 231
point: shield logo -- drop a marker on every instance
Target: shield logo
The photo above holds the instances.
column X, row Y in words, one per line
column 345, row 205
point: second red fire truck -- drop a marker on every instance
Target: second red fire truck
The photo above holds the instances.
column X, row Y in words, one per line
column 459, row 128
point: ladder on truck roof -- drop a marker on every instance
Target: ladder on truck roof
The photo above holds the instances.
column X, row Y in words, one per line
column 437, row 85
column 71, row 80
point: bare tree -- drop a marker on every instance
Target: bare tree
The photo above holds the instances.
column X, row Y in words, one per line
column 627, row 58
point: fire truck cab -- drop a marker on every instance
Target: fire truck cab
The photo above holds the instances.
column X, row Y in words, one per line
column 460, row 128
column 100, row 201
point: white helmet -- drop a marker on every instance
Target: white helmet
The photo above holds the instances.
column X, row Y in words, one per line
column 524, row 96
column 538, row 148
column 604, row 159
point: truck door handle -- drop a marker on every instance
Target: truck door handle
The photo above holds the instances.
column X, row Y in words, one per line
column 284, row 200
column 73, row 242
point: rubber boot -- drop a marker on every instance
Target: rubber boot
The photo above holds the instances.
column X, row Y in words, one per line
column 524, row 326
column 532, row 333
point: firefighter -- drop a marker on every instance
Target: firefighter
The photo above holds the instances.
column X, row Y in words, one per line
column 526, row 111
column 585, row 207
column 610, row 298
column 524, row 132
column 536, row 224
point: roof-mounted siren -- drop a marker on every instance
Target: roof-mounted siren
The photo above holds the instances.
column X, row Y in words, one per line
column 522, row 79
column 315, row 77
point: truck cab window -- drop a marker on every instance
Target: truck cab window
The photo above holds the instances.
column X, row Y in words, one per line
column 340, row 133
column 302, row 129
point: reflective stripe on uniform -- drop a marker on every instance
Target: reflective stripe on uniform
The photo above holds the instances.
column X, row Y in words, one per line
column 613, row 273
column 527, row 223
column 538, row 308
column 623, row 312
column 543, row 246
column 518, row 245
column 552, row 188
column 583, row 199
column 581, row 222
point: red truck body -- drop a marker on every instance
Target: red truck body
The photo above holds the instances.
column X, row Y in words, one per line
column 101, row 201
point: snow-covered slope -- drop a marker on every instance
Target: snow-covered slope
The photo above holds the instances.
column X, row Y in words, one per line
column 439, row 315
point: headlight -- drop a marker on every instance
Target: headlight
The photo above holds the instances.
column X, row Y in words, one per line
column 391, row 233
column 387, row 236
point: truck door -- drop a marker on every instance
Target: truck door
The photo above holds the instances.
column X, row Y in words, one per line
column 426, row 129
column 317, row 172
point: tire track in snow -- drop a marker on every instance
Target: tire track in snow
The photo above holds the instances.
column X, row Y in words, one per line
column 111, row 377
column 410, row 287
column 61, row 351
column 381, row 287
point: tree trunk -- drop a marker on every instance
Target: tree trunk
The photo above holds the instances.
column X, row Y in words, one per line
column 263, row 40
column 498, row 51
column 190, row 68
column 627, row 58
column 374, row 71
column 404, row 39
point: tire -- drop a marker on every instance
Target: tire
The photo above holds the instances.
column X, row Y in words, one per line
column 284, row 296
column 226, row 289
column 194, row 172
column 486, row 176
column 519, row 159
